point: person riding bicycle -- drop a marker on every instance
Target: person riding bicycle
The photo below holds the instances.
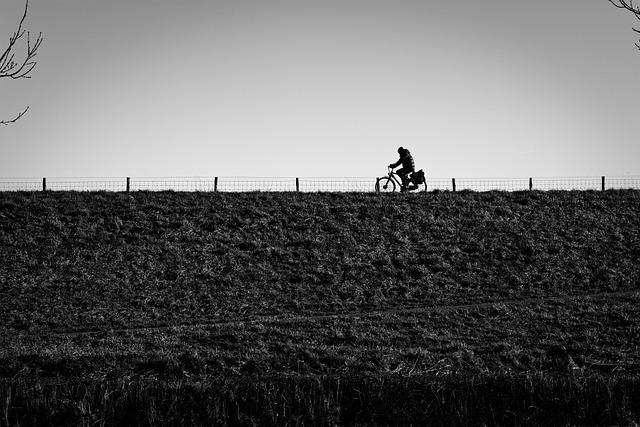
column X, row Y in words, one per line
column 408, row 166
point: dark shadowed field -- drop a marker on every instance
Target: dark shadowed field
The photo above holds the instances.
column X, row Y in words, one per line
column 327, row 309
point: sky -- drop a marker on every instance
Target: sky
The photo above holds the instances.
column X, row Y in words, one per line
column 331, row 88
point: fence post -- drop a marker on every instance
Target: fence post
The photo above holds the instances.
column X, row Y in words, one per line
column 530, row 183
column 453, row 184
column 44, row 184
column 215, row 184
column 603, row 183
column 297, row 185
column 128, row 184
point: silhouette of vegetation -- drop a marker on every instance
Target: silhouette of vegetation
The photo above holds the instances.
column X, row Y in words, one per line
column 629, row 6
column 490, row 399
column 14, row 68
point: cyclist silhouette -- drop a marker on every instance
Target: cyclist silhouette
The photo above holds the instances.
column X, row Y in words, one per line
column 408, row 166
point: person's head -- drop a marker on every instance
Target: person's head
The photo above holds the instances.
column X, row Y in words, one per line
column 400, row 150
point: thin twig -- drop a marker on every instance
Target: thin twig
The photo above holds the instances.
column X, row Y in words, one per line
column 628, row 5
column 6, row 122
column 20, row 69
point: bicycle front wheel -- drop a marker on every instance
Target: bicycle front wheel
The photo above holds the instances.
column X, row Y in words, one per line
column 385, row 185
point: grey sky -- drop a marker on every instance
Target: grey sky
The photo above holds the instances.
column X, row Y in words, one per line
column 323, row 88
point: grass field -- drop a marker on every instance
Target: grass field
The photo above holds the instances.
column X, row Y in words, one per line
column 441, row 308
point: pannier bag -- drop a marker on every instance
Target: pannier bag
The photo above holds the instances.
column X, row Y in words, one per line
column 418, row 177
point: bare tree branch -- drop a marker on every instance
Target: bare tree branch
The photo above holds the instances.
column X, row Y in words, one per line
column 13, row 69
column 6, row 122
column 629, row 6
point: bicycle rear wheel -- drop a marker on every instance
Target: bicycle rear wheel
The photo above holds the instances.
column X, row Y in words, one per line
column 385, row 185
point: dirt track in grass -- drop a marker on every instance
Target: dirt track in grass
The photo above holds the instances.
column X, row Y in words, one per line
column 328, row 316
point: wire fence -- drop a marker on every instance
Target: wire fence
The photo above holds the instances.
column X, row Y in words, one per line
column 308, row 184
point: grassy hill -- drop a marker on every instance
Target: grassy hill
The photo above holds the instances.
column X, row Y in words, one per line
column 468, row 307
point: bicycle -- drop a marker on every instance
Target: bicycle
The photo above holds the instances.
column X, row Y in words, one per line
column 389, row 183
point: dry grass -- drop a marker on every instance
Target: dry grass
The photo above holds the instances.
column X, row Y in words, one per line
column 175, row 296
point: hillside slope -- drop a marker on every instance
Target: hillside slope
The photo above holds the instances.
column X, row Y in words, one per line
column 83, row 261
column 254, row 308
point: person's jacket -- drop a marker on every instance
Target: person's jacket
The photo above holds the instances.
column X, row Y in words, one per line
column 406, row 159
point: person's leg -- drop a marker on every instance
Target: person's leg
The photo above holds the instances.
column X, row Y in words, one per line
column 402, row 173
